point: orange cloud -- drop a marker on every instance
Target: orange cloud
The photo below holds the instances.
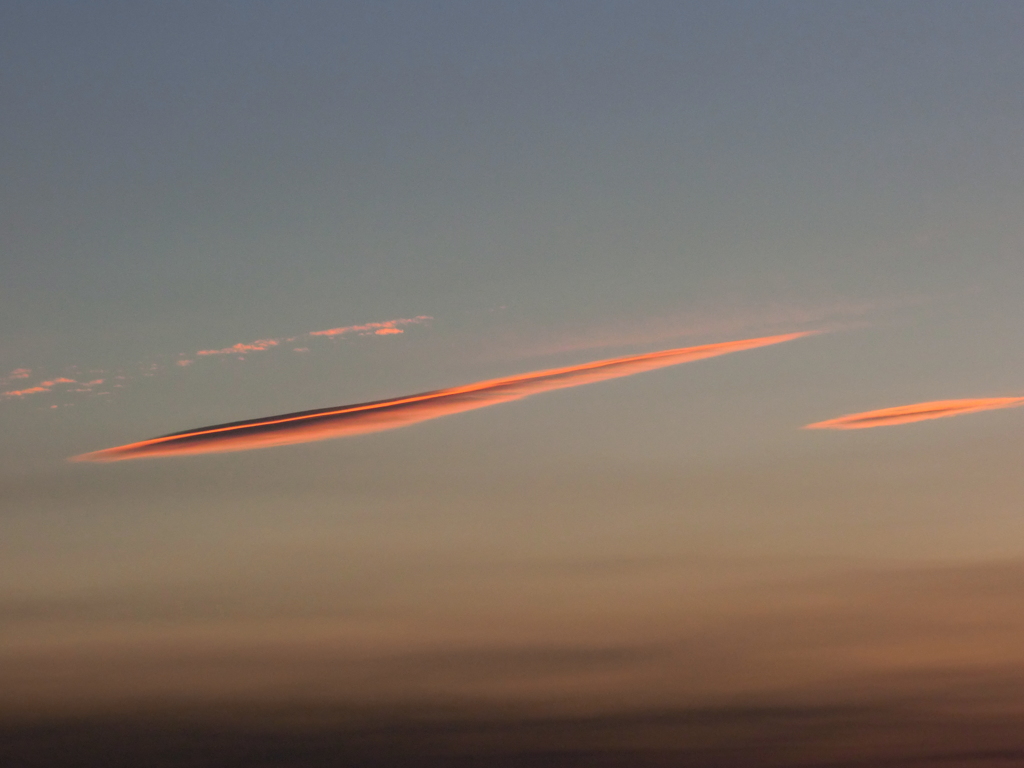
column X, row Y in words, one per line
column 184, row 363
column 42, row 386
column 380, row 329
column 239, row 349
column 384, row 328
column 905, row 414
column 18, row 373
column 361, row 418
column 29, row 391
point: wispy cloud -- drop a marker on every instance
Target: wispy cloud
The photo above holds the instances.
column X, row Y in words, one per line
column 124, row 377
column 383, row 328
column 714, row 320
column 28, row 391
column 379, row 329
column 17, row 373
column 905, row 414
column 43, row 386
column 362, row 418
column 240, row 349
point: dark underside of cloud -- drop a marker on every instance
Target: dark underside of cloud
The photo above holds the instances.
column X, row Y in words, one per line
column 942, row 732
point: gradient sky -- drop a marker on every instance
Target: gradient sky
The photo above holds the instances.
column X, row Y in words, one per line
column 193, row 193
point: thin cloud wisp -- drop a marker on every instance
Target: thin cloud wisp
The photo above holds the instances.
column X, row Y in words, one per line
column 905, row 414
column 385, row 328
column 361, row 418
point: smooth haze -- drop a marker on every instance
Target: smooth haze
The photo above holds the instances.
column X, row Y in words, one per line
column 212, row 211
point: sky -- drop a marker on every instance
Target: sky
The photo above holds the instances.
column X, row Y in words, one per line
column 220, row 212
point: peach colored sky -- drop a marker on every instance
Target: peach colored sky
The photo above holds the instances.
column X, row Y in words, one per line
column 345, row 202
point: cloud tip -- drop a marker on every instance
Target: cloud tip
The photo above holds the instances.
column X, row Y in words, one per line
column 93, row 457
column 106, row 456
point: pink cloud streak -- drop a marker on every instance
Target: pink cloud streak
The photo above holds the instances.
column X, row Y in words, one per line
column 380, row 329
column 43, row 386
column 383, row 328
column 362, row 418
column 29, row 391
column 907, row 414
column 240, row 349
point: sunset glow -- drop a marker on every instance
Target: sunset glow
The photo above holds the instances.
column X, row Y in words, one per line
column 230, row 226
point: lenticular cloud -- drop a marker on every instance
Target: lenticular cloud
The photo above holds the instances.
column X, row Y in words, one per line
column 905, row 414
column 361, row 418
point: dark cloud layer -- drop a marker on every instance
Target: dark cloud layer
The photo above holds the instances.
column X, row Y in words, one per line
column 361, row 418
column 918, row 668
column 937, row 733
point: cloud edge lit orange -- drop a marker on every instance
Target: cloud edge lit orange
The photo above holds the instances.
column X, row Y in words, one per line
column 907, row 414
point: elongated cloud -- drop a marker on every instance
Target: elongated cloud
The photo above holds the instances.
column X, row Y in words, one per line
column 28, row 391
column 361, row 418
column 380, row 329
column 43, row 386
column 904, row 414
column 383, row 328
column 240, row 349
column 21, row 388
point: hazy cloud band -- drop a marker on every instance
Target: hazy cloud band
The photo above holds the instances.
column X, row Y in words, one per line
column 361, row 418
